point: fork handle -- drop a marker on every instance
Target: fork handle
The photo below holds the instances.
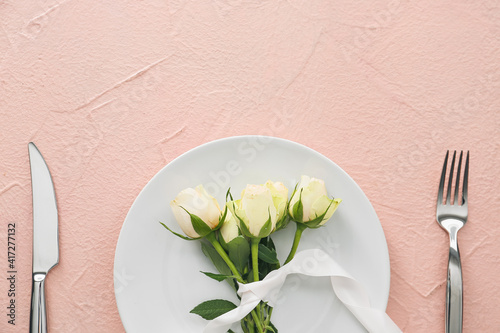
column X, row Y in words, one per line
column 454, row 289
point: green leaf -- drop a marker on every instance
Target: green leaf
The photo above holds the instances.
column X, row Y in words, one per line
column 228, row 194
column 212, row 309
column 283, row 223
column 264, row 267
column 216, row 259
column 316, row 222
column 268, row 241
column 249, row 277
column 266, row 228
column 218, row 277
column 243, row 228
column 298, row 209
column 221, row 240
column 294, row 190
column 178, row 235
column 199, row 225
column 222, row 219
column 268, row 255
column 239, row 252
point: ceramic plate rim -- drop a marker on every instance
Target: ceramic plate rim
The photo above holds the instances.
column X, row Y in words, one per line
column 203, row 146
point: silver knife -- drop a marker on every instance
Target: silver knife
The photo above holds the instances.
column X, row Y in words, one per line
column 45, row 236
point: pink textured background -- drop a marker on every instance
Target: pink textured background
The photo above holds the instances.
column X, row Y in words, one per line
column 112, row 90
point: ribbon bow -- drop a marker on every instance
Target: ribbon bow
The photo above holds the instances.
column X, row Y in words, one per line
column 310, row 263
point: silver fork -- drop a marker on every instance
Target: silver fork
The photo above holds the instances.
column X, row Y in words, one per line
column 452, row 216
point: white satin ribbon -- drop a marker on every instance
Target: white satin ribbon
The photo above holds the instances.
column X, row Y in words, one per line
column 311, row 263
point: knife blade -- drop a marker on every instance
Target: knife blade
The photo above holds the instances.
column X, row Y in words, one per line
column 45, row 236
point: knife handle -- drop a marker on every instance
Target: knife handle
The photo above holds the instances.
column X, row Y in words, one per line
column 38, row 317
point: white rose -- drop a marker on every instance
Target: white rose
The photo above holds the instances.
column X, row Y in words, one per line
column 279, row 193
column 229, row 229
column 255, row 211
column 314, row 206
column 201, row 205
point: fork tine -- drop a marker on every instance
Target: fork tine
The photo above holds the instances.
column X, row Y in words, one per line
column 441, row 181
column 450, row 180
column 466, row 180
column 457, row 181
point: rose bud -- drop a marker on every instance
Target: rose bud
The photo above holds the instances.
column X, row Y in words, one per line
column 310, row 203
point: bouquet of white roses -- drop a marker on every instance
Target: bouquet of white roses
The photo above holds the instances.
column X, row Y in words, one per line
column 237, row 238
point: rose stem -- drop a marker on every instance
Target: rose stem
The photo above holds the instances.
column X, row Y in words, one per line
column 224, row 256
column 255, row 267
column 211, row 238
column 298, row 233
column 255, row 258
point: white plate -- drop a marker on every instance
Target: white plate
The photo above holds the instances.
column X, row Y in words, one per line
column 157, row 275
